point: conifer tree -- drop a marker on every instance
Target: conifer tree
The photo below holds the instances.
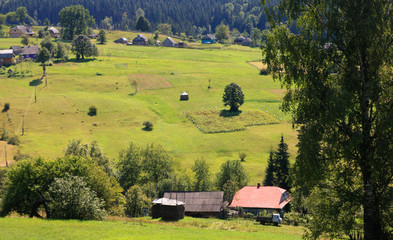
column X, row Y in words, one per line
column 270, row 171
column 282, row 161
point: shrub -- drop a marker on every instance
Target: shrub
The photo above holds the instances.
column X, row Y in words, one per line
column 14, row 140
column 242, row 156
column 6, row 107
column 148, row 125
column 71, row 198
column 136, row 200
column 92, row 110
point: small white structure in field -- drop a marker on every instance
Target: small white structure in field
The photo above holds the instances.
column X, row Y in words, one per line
column 184, row 96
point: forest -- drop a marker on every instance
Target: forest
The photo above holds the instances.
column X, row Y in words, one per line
column 185, row 16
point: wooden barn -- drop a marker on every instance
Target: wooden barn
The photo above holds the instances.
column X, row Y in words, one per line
column 255, row 199
column 209, row 39
column 6, row 57
column 121, row 40
column 169, row 42
column 30, row 52
column 168, row 209
column 17, row 50
column 239, row 40
column 184, row 96
column 246, row 42
column 140, row 40
column 200, row 204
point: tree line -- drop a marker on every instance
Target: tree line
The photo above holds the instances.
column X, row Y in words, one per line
column 187, row 16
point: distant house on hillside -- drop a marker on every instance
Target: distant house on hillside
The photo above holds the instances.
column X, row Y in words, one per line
column 140, row 40
column 209, row 39
column 239, row 40
column 169, row 42
column 6, row 57
column 199, row 204
column 16, row 49
column 93, row 35
column 121, row 40
column 255, row 199
column 30, row 52
column 20, row 31
column 247, row 42
column 54, row 32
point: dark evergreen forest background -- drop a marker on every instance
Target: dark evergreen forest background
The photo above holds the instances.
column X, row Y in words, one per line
column 188, row 16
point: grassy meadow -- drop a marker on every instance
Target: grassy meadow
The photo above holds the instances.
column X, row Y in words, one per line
column 188, row 228
column 162, row 74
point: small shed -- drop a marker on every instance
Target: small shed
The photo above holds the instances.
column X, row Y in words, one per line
column 30, row 52
column 169, row 42
column 200, row 204
column 54, row 32
column 17, row 50
column 239, row 40
column 247, row 42
column 184, row 96
column 121, row 40
column 140, row 40
column 93, row 35
column 209, row 39
column 168, row 209
column 181, row 44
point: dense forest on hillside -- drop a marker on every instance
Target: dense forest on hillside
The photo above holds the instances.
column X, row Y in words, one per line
column 189, row 16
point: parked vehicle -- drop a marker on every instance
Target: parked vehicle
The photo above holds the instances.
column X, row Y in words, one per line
column 275, row 219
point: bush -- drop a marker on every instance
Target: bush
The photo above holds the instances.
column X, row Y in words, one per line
column 14, row 140
column 6, row 107
column 92, row 110
column 71, row 198
column 136, row 200
column 148, row 125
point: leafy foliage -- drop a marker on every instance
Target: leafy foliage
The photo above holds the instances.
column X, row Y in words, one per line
column 136, row 200
column 148, row 125
column 71, row 198
column 231, row 178
column 233, row 97
column 222, row 32
column 75, row 20
column 202, row 175
column 129, row 166
column 142, row 24
column 82, row 47
column 102, row 37
column 44, row 55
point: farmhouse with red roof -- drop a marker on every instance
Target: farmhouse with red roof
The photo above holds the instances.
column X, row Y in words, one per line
column 255, row 199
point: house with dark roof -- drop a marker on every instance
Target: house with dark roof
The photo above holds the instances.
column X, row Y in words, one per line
column 93, row 35
column 169, row 42
column 255, row 199
column 239, row 40
column 209, row 39
column 140, row 40
column 30, row 52
column 121, row 40
column 16, row 49
column 54, row 32
column 20, row 31
column 246, row 42
column 6, row 57
column 199, row 204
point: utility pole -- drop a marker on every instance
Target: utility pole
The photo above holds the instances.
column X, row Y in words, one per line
column 5, row 154
column 23, row 125
column 35, row 93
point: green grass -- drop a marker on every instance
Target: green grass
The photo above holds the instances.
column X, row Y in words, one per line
column 61, row 111
column 215, row 121
column 188, row 228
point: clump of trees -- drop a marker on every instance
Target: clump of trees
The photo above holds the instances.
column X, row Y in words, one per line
column 75, row 20
column 233, row 97
column 82, row 47
column 142, row 24
column 231, row 178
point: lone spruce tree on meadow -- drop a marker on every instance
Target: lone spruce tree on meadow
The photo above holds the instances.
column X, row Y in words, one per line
column 233, row 97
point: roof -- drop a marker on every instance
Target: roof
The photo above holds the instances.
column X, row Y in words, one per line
column 266, row 197
column 209, row 37
column 184, row 94
column 6, row 53
column 239, row 39
column 168, row 202
column 30, row 50
column 141, row 37
column 170, row 40
column 24, row 29
column 247, row 40
column 53, row 30
column 199, row 202
column 124, row 40
column 16, row 49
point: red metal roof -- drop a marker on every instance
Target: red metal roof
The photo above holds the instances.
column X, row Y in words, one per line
column 263, row 197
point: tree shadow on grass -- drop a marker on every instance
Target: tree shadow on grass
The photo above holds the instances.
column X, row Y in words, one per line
column 147, row 129
column 74, row 60
column 91, row 114
column 229, row 113
column 35, row 82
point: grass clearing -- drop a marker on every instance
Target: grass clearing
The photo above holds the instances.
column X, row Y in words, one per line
column 149, row 81
column 258, row 64
column 221, row 121
column 143, row 228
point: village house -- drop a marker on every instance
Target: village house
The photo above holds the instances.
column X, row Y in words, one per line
column 30, row 52
column 246, row 42
column 256, row 199
column 199, row 204
column 54, row 32
column 6, row 57
column 239, row 40
column 169, row 42
column 209, row 39
column 16, row 49
column 93, row 35
column 20, row 31
column 140, row 40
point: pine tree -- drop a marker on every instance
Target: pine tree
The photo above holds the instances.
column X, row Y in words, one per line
column 270, row 171
column 282, row 161
column 142, row 24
